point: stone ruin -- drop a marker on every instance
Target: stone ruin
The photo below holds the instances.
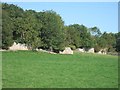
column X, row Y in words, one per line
column 102, row 51
column 18, row 46
column 91, row 50
column 80, row 50
column 41, row 50
column 67, row 51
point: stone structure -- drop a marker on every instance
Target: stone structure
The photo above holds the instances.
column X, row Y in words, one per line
column 67, row 51
column 91, row 50
column 41, row 50
column 102, row 51
column 18, row 46
column 81, row 50
column 2, row 50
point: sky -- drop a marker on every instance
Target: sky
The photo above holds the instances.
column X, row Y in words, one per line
column 104, row 15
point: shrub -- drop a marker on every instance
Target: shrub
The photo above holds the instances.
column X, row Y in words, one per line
column 73, row 47
column 97, row 48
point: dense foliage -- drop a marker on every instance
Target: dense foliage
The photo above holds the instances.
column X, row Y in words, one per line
column 46, row 30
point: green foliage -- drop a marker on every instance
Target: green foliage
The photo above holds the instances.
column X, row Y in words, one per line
column 85, row 36
column 31, row 35
column 46, row 30
column 78, row 36
column 7, row 27
column 52, row 32
column 10, row 13
column 105, row 40
column 118, row 42
column 108, row 40
column 72, row 36
column 20, row 26
column 72, row 47
column 97, row 48
column 95, row 31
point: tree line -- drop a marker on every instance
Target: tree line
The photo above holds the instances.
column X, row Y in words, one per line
column 46, row 30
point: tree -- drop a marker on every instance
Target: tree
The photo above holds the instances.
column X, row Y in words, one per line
column 52, row 32
column 86, row 38
column 106, row 40
column 117, row 42
column 95, row 31
column 9, row 13
column 46, row 30
column 78, row 36
column 30, row 30
column 72, row 36
column 97, row 41
column 7, row 27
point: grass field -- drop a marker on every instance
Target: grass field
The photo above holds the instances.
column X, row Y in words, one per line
column 42, row 70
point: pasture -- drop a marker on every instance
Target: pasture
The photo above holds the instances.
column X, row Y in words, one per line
column 27, row 69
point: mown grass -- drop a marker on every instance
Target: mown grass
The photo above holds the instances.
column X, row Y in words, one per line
column 0, row 70
column 27, row 69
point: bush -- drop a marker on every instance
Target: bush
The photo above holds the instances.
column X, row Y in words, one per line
column 97, row 48
column 111, row 49
column 72, row 47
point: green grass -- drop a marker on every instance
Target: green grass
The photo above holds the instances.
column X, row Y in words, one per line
column 0, row 70
column 27, row 69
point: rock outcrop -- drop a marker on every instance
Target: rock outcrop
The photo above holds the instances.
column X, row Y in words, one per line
column 80, row 50
column 102, row 51
column 67, row 51
column 18, row 46
column 91, row 50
